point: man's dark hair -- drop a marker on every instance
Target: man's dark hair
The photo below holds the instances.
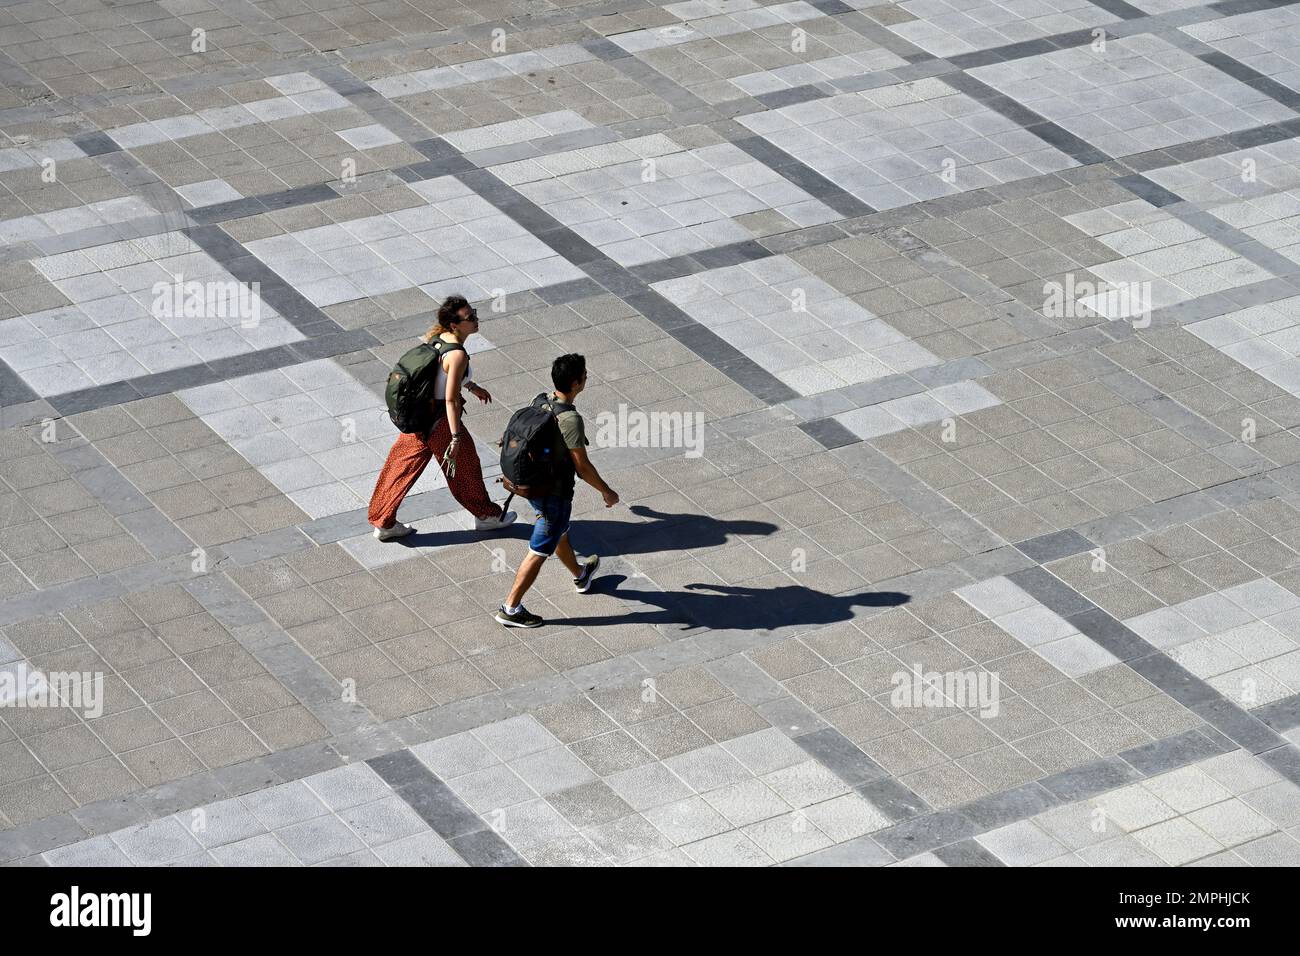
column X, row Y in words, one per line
column 566, row 370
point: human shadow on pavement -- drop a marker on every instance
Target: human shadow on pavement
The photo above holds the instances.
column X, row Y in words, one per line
column 733, row 606
column 664, row 531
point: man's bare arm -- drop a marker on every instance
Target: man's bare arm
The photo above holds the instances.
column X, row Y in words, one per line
column 588, row 473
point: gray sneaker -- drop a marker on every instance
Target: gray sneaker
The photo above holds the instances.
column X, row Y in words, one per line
column 521, row 617
column 582, row 583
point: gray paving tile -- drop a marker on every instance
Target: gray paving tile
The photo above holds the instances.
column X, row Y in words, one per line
column 1069, row 435
column 967, row 853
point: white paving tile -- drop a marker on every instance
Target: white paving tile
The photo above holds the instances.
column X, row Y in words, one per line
column 894, row 145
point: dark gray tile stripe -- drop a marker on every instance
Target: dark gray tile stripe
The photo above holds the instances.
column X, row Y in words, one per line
column 139, row 178
column 363, row 96
column 89, row 468
column 1052, row 547
column 543, row 146
column 1240, row 726
column 894, row 799
column 702, row 341
column 439, row 807
column 829, row 433
column 829, row 403
column 967, row 853
column 1262, row 135
column 832, row 8
column 13, row 389
column 885, row 793
column 291, row 304
column 323, row 337
column 959, row 824
column 840, row 755
column 1231, row 8
column 804, row 176
column 1121, row 9
column 792, row 96
column 827, row 232
column 1210, row 225
column 846, row 760
column 928, row 832
column 731, row 254
column 20, row 251
column 1227, row 727
column 1282, row 715
column 268, row 202
column 571, row 291
column 900, row 74
column 217, row 370
column 860, row 23
column 1149, row 191
column 664, row 87
column 485, row 848
column 95, row 144
column 449, row 162
column 1090, row 779
column 1051, row 133
column 816, row 409
column 604, row 49
column 989, row 195
column 1251, row 77
column 610, row 275
column 1010, row 806
column 1161, row 756
column 286, row 661
column 1000, row 54
column 1285, row 761
column 673, row 268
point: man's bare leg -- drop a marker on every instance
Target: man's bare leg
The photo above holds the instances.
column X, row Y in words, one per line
column 564, row 551
column 529, row 568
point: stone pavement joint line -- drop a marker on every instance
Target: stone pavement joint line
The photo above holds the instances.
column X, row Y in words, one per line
column 933, row 551
column 597, row 266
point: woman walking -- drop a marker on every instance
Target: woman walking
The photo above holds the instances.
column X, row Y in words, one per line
column 449, row 440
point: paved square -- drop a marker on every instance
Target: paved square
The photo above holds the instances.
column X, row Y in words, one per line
column 895, row 145
column 945, row 358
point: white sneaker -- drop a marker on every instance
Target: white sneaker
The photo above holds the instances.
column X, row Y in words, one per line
column 492, row 524
column 398, row 530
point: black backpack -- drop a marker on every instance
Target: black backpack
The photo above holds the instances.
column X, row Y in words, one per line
column 533, row 453
column 412, row 406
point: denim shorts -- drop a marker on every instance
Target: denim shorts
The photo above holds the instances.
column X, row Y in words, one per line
column 552, row 523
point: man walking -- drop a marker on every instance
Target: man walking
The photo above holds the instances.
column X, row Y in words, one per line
column 551, row 532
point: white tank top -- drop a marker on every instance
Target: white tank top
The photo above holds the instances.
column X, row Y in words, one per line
column 440, row 383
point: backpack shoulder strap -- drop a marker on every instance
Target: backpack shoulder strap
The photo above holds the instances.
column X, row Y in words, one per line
column 445, row 348
column 551, row 404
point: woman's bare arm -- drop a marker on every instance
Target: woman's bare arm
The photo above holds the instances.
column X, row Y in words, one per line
column 455, row 365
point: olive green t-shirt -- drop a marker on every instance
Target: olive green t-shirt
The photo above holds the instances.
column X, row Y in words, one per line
column 574, row 433
column 572, row 428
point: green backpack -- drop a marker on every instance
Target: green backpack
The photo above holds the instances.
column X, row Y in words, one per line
column 412, row 406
